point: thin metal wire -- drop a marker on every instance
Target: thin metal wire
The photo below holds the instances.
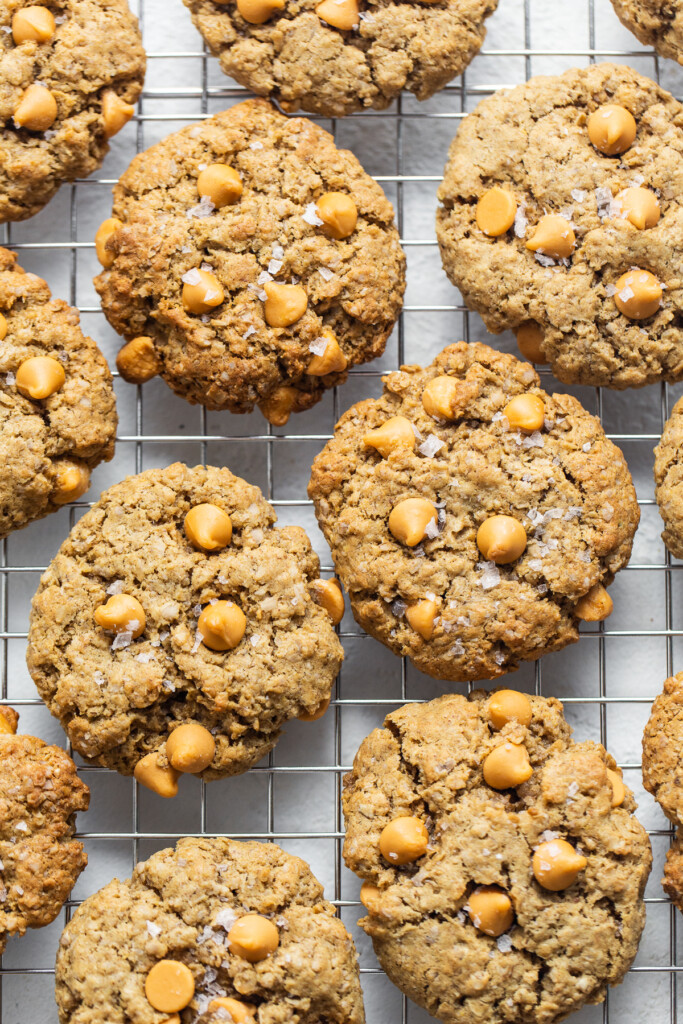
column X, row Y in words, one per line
column 462, row 93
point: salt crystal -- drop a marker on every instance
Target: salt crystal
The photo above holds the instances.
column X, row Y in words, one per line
column 545, row 261
column 10, row 378
column 310, row 215
column 521, row 223
column 603, row 198
column 398, row 608
column 572, row 789
column 326, row 273
column 573, row 512
column 526, row 478
column 255, row 640
column 203, row 209
column 225, row 918
column 490, row 576
column 19, row 891
column 586, row 447
column 99, row 678
column 534, row 440
column 145, row 657
column 318, row 346
column 607, row 512
column 626, row 293
column 542, row 588
column 21, row 826
column 585, row 556
column 499, row 657
column 274, row 266
column 121, row 640
column 153, row 929
column 278, row 252
column 432, row 529
column 578, row 195
column 256, row 144
column 263, row 278
column 610, row 290
column 168, row 686
column 504, row 943
column 457, row 650
column 535, row 564
column 548, row 836
column 191, row 277
column 197, row 643
column 430, row 446
column 248, row 333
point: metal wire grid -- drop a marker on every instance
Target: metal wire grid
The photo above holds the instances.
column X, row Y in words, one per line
column 460, row 95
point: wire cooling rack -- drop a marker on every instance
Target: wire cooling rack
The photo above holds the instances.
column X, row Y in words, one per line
column 607, row 680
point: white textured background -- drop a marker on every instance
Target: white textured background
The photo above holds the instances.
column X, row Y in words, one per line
column 405, row 147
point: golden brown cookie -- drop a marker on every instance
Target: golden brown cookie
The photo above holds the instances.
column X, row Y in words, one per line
column 669, row 480
column 341, row 55
column 561, row 218
column 522, row 897
column 177, row 630
column 70, row 71
column 57, row 406
column 40, row 860
column 663, row 773
column 473, row 518
column 220, row 930
column 250, row 262
column 657, row 23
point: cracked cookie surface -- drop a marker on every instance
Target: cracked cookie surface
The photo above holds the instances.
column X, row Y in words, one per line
column 300, row 60
column 566, row 483
column 654, row 23
column 72, row 429
column 40, row 860
column 564, row 947
column 233, row 358
column 95, row 49
column 533, row 142
column 669, row 480
column 663, row 774
column 180, row 904
column 118, row 696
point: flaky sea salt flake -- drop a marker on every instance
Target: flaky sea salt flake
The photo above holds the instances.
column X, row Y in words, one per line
column 310, row 215
column 430, row 446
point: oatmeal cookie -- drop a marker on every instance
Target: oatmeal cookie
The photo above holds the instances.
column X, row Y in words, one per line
column 338, row 56
column 69, row 72
column 503, row 868
column 179, row 919
column 472, row 517
column 40, row 860
column 657, row 23
column 252, row 261
column 669, row 480
column 176, row 630
column 561, row 219
column 663, row 774
column 57, row 406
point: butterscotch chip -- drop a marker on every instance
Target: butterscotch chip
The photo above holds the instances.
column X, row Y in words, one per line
column 495, row 213
column 40, row 793
column 331, row 60
column 472, row 888
column 58, row 412
column 610, row 215
column 152, row 650
column 235, row 326
column 63, row 67
column 555, row 506
column 173, row 918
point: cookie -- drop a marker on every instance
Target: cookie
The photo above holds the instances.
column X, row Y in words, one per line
column 250, row 262
column 40, row 860
column 669, row 480
column 473, row 518
column 561, row 219
column 242, row 928
column 655, row 23
column 335, row 57
column 503, row 867
column 177, row 631
column 70, row 71
column 57, row 407
column 663, row 774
